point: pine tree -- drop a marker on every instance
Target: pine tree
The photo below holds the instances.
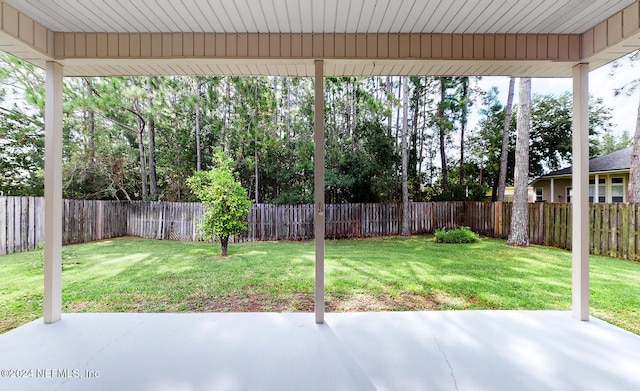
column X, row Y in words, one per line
column 519, row 235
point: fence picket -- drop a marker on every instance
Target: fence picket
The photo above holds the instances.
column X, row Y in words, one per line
column 3, row 225
column 17, row 232
column 10, row 224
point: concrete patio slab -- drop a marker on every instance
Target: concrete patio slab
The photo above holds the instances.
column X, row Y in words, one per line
column 439, row 350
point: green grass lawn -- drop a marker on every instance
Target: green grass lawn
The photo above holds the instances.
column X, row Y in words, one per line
column 389, row 273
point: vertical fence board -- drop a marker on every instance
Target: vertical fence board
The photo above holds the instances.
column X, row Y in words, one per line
column 21, row 210
column 17, row 231
column 39, row 221
column 10, row 224
column 3, row 225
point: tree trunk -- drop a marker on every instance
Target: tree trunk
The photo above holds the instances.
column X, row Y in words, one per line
column 405, row 157
column 227, row 118
column 176, row 183
column 224, row 242
column 91, row 130
column 442, row 132
column 634, row 174
column 91, row 123
column 255, row 167
column 144, row 187
column 463, row 125
column 143, row 166
column 423, row 128
column 519, row 235
column 198, row 147
column 398, row 130
column 413, row 150
column 143, row 159
column 504, row 154
column 288, row 84
column 277, row 105
column 388, row 89
column 151, row 126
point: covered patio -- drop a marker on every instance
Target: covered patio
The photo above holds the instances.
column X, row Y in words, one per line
column 436, row 350
column 320, row 38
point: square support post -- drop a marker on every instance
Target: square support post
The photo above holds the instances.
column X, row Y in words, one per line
column 53, row 193
column 580, row 198
column 318, row 169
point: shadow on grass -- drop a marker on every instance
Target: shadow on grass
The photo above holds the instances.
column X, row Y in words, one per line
column 485, row 275
column 375, row 274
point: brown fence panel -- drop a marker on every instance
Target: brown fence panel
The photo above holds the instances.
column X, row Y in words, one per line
column 613, row 228
column 21, row 224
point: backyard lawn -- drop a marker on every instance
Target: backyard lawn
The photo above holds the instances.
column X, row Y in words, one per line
column 379, row 274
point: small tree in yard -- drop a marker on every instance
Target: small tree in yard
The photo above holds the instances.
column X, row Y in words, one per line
column 225, row 200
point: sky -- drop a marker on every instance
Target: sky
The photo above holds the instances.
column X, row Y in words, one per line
column 602, row 82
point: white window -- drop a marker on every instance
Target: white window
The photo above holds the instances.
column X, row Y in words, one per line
column 569, row 193
column 617, row 189
column 539, row 191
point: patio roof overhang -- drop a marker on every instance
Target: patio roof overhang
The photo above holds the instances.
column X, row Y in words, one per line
column 319, row 38
column 355, row 37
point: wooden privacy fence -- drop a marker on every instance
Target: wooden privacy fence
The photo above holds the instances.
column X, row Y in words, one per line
column 163, row 220
column 296, row 222
column 178, row 221
column 22, row 222
column 614, row 228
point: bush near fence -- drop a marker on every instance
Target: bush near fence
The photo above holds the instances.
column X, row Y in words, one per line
column 614, row 228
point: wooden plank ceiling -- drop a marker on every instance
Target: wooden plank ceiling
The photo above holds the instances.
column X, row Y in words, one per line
column 355, row 37
column 322, row 16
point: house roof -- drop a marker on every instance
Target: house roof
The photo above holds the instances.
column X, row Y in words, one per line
column 614, row 161
column 545, row 38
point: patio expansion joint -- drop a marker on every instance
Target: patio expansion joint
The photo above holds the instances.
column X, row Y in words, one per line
column 444, row 355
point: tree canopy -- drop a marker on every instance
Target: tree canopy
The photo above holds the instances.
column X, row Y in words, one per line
column 225, row 200
column 142, row 137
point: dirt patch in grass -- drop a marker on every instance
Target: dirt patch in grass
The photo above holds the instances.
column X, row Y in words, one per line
column 287, row 302
column 401, row 302
column 255, row 302
column 304, row 302
column 80, row 306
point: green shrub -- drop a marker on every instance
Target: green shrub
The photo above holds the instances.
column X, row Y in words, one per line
column 457, row 235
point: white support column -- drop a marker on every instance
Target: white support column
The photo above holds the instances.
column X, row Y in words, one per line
column 53, row 193
column 596, row 188
column 318, row 168
column 580, row 199
column 553, row 191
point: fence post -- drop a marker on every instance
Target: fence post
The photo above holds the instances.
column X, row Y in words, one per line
column 3, row 225
column 497, row 220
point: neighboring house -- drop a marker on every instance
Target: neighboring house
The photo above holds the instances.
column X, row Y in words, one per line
column 508, row 194
column 610, row 172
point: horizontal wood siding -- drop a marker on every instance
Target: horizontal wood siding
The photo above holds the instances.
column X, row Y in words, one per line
column 374, row 46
